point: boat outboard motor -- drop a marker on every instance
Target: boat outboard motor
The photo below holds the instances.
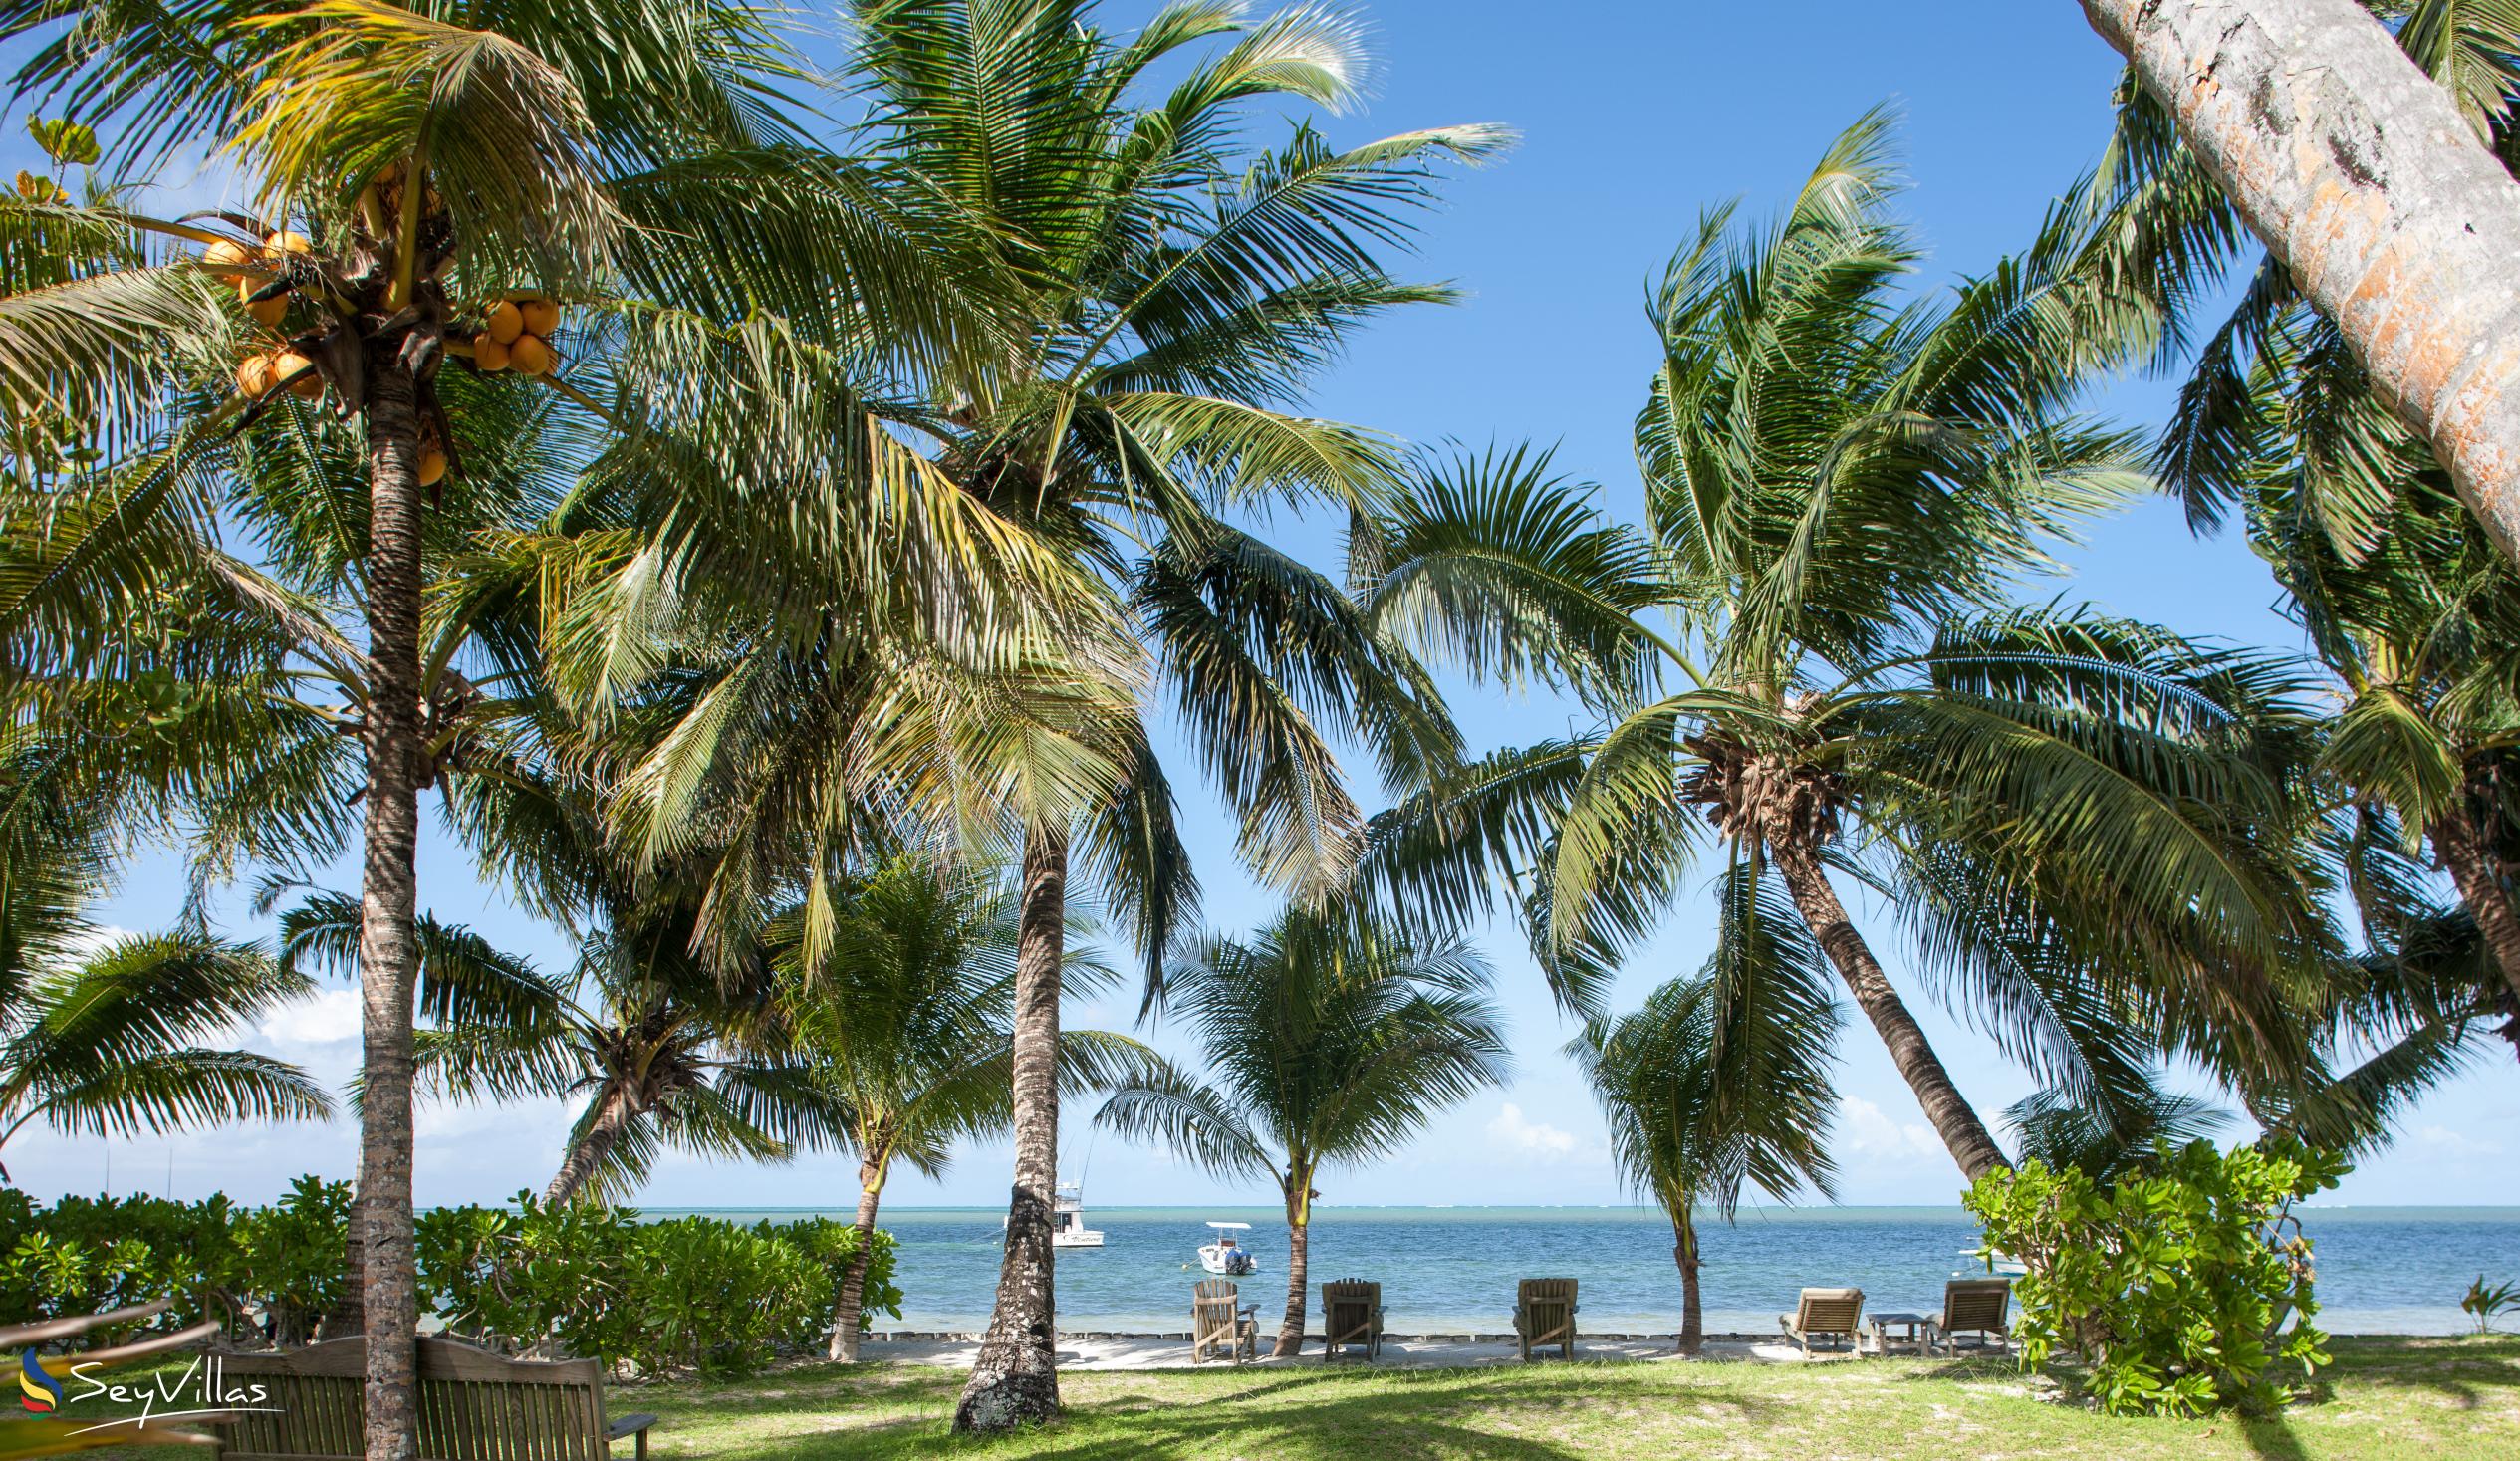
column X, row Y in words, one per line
column 1238, row 1262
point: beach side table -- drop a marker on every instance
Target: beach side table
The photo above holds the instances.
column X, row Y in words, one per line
column 1919, row 1327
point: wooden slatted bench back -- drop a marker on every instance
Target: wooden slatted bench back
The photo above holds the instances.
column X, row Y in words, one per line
column 474, row 1405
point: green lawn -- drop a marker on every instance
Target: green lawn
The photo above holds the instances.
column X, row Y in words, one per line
column 2410, row 1398
column 2436, row 1400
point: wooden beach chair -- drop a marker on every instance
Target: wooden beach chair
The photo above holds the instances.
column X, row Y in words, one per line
column 1544, row 1314
column 473, row 1406
column 1352, row 1318
column 1982, row 1306
column 1825, row 1312
column 1218, row 1318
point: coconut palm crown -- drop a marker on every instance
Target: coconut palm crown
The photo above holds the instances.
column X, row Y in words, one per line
column 2078, row 817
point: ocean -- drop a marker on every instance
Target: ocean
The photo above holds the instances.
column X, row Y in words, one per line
column 1453, row 1269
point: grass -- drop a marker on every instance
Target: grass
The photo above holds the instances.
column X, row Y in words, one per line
column 2384, row 1398
column 2439, row 1400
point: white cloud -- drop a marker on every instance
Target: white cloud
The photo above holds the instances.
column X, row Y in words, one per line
column 330, row 1017
column 1510, row 1131
column 1871, row 1135
column 2455, row 1143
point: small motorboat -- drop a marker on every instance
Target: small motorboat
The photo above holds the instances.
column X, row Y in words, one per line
column 1223, row 1255
column 1066, row 1219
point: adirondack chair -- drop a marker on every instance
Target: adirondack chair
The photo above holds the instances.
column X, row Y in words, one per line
column 1218, row 1318
column 1975, row 1306
column 1826, row 1312
column 1352, row 1318
column 474, row 1405
column 1544, row 1314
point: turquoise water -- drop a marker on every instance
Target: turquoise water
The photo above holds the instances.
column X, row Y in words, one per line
column 1453, row 1269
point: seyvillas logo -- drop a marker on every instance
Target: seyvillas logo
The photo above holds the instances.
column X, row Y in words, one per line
column 43, row 1392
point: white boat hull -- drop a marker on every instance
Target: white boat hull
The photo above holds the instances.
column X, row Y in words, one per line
column 1078, row 1238
column 1212, row 1259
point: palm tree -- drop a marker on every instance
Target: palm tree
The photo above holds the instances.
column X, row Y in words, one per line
column 2080, row 817
column 904, row 1031
column 1172, row 290
column 410, row 171
column 2311, row 102
column 1723, row 1079
column 1328, row 1039
column 658, row 1051
column 111, row 1035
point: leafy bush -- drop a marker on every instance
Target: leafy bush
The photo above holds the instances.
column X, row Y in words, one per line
column 2184, row 1285
column 580, row 1279
column 689, row 1292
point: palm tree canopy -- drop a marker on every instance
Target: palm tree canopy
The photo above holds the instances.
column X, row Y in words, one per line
column 1722, row 1080
column 1326, row 1038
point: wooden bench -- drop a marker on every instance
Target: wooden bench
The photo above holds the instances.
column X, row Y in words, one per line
column 474, row 1406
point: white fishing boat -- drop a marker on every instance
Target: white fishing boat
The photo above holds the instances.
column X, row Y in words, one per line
column 1066, row 1219
column 1223, row 1255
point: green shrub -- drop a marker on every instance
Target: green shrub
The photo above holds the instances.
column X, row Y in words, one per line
column 2184, row 1285
column 694, row 1292
column 579, row 1279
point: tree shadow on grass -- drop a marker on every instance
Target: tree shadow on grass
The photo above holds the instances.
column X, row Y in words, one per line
column 1389, row 1414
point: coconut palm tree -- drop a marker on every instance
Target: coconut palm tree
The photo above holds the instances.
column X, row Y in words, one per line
column 2081, row 817
column 1328, row 1039
column 1176, row 286
column 904, row 1031
column 410, row 174
column 104, row 1034
column 2311, row 101
column 1723, row 1079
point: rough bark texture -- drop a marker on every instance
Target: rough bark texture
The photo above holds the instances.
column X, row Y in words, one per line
column 1953, row 1117
column 849, row 1308
column 1016, row 1378
column 612, row 1116
column 1299, row 1243
column 1684, row 1253
column 2473, row 867
column 389, row 954
column 2364, row 181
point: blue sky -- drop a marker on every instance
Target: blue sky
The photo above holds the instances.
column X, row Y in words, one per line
column 1634, row 116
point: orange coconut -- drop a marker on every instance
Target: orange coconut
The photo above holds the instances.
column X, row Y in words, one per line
column 253, row 377
column 488, row 353
column 219, row 256
column 531, row 355
column 504, row 322
column 267, row 311
column 542, row 317
column 432, row 466
column 286, row 242
column 288, row 364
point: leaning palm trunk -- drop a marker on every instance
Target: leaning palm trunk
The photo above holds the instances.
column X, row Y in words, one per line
column 1684, row 1253
column 849, row 1308
column 2472, row 868
column 1299, row 1244
column 1016, row 1378
column 388, row 955
column 2372, row 192
column 585, row 1157
column 1953, row 1117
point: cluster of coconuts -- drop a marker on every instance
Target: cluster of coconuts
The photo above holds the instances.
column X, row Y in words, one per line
column 516, row 336
column 265, row 371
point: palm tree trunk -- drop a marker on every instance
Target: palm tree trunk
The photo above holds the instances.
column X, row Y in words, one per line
column 1016, row 1378
column 2372, row 192
column 2473, row 867
column 1299, row 1245
column 1953, row 1117
column 585, row 1157
column 1684, row 1253
column 850, row 1306
column 389, row 951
